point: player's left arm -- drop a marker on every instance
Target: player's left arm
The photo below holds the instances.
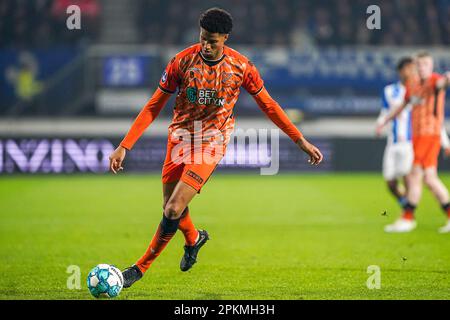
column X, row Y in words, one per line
column 254, row 85
column 277, row 115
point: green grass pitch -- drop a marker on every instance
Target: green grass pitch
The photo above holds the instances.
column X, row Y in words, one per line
column 272, row 237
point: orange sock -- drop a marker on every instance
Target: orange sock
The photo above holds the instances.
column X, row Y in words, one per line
column 187, row 227
column 408, row 215
column 165, row 232
column 408, row 211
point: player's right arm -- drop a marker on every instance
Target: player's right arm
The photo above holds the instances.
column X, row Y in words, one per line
column 382, row 116
column 167, row 86
column 408, row 100
column 148, row 113
column 391, row 116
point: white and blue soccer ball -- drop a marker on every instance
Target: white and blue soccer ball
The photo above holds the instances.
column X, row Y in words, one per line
column 105, row 281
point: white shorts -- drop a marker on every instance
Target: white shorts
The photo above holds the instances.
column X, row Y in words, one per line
column 397, row 160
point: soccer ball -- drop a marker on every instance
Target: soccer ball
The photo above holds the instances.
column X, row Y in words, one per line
column 105, row 281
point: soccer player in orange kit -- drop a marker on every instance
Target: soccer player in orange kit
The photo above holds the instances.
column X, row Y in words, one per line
column 427, row 95
column 208, row 76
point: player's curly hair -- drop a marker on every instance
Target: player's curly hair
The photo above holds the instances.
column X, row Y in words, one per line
column 404, row 62
column 216, row 20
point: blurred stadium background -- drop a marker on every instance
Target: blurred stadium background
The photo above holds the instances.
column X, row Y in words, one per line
column 67, row 97
column 71, row 94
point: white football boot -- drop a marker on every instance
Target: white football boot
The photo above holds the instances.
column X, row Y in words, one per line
column 401, row 225
column 446, row 228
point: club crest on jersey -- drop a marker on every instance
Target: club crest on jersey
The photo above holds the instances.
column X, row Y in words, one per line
column 226, row 76
column 205, row 97
column 191, row 93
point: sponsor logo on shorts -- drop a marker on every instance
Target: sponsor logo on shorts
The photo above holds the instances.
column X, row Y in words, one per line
column 194, row 176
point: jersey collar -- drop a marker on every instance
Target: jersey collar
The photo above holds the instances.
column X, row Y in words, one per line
column 211, row 62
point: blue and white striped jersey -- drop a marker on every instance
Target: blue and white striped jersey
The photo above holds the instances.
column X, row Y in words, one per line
column 392, row 97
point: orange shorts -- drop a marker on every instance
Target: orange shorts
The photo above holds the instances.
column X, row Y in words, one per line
column 426, row 151
column 192, row 166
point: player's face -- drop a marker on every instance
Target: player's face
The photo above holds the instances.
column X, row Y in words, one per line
column 424, row 67
column 408, row 72
column 212, row 44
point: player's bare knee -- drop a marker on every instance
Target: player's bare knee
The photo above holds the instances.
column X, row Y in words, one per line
column 429, row 180
column 173, row 210
column 170, row 212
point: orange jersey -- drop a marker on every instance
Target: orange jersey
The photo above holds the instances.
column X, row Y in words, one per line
column 208, row 91
column 427, row 116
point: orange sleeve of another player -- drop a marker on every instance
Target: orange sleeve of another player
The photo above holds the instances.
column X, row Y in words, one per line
column 412, row 90
column 434, row 78
column 273, row 110
column 148, row 113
